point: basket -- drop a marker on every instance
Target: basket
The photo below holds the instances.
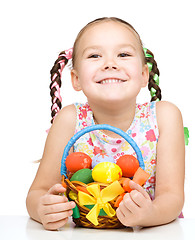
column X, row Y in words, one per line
column 80, row 211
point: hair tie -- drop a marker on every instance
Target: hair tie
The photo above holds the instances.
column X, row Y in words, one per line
column 147, row 54
column 68, row 53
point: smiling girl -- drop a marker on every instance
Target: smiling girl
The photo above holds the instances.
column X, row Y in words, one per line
column 110, row 67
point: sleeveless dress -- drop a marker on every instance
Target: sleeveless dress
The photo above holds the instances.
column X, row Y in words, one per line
column 143, row 130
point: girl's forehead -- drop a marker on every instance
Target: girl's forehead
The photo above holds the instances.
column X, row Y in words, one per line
column 106, row 33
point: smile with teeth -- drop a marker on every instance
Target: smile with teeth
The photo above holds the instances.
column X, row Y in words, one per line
column 107, row 81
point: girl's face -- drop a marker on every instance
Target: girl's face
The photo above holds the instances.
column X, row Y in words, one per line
column 108, row 65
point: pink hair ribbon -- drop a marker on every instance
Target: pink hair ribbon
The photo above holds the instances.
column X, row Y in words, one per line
column 69, row 53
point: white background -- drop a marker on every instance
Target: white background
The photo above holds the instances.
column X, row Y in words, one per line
column 32, row 33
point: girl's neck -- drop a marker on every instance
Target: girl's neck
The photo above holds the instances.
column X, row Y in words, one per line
column 120, row 116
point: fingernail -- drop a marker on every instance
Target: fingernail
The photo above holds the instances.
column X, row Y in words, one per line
column 72, row 204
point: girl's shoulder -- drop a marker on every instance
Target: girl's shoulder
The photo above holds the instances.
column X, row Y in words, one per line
column 65, row 121
column 167, row 114
column 59, row 134
column 163, row 107
column 74, row 117
column 66, row 113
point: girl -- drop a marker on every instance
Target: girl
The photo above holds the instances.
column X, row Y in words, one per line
column 110, row 67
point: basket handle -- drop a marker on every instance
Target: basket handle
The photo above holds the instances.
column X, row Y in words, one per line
column 100, row 127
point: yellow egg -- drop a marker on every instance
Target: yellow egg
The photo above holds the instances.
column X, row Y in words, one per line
column 106, row 172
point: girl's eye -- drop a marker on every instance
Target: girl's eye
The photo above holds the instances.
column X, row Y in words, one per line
column 94, row 56
column 124, row 55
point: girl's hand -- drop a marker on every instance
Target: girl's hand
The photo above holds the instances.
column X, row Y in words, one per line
column 54, row 209
column 136, row 207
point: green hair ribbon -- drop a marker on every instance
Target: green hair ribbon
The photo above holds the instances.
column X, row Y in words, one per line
column 155, row 78
column 150, row 66
column 186, row 135
column 147, row 54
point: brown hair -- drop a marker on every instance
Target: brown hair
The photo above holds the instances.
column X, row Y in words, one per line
column 148, row 58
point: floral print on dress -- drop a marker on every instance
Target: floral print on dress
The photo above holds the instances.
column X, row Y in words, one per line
column 143, row 130
column 150, row 135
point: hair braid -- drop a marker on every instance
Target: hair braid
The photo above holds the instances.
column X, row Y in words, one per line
column 153, row 84
column 56, row 73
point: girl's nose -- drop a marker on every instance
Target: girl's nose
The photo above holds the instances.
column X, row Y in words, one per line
column 110, row 65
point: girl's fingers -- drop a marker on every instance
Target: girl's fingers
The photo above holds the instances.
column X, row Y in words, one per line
column 138, row 198
column 56, row 189
column 49, row 199
column 120, row 215
column 128, row 205
column 52, row 196
column 135, row 186
column 60, row 207
column 123, row 217
column 55, row 217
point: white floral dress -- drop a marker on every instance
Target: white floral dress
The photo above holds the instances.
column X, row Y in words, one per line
column 143, row 130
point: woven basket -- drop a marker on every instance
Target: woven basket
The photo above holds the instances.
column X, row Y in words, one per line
column 103, row 221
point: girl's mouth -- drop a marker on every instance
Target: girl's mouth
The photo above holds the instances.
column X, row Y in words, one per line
column 111, row 80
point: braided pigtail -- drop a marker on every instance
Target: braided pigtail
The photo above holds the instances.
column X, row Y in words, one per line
column 153, row 84
column 56, row 73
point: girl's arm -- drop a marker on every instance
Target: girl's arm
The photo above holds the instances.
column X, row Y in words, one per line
column 137, row 208
column 170, row 172
column 44, row 203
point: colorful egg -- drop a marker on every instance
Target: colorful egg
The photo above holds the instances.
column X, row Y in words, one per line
column 129, row 165
column 83, row 175
column 78, row 160
column 101, row 157
column 106, row 172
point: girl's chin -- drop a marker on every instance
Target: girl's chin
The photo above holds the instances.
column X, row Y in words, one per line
column 112, row 101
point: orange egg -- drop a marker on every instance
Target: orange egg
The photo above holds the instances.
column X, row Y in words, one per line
column 129, row 165
column 78, row 160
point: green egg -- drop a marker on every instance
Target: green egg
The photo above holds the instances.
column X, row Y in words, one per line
column 83, row 175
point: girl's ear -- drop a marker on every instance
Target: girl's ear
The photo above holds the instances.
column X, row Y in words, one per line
column 145, row 75
column 75, row 80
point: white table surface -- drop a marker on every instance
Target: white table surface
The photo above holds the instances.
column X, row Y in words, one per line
column 22, row 227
